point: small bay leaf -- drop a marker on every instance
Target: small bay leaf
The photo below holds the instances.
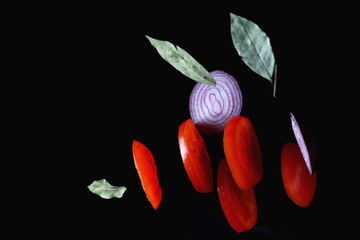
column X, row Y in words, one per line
column 106, row 190
column 253, row 45
column 182, row 61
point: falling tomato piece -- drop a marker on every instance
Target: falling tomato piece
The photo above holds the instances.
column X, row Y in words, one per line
column 242, row 152
column 239, row 206
column 195, row 157
column 299, row 184
column 146, row 168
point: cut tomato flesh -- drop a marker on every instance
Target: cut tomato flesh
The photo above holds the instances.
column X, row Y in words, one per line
column 239, row 206
column 242, row 152
column 299, row 184
column 146, row 168
column 195, row 157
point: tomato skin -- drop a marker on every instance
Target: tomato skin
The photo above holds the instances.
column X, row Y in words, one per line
column 239, row 206
column 242, row 152
column 299, row 184
column 146, row 168
column 195, row 157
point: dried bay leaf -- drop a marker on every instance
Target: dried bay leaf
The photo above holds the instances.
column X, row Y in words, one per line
column 106, row 190
column 182, row 61
column 253, row 45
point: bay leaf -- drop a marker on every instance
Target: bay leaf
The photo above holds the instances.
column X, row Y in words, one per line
column 182, row 61
column 253, row 45
column 106, row 190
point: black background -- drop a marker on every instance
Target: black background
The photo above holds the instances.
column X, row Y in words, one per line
column 83, row 82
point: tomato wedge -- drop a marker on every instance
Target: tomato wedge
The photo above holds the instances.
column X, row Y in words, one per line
column 239, row 206
column 299, row 184
column 195, row 157
column 242, row 152
column 146, row 168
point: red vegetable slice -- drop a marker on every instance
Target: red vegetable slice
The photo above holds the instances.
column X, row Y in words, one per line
column 239, row 206
column 299, row 184
column 195, row 157
column 146, row 168
column 212, row 106
column 242, row 152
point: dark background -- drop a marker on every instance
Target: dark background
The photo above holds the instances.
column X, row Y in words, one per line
column 83, row 82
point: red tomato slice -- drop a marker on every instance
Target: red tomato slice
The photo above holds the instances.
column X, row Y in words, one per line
column 299, row 184
column 242, row 152
column 195, row 157
column 146, row 168
column 239, row 206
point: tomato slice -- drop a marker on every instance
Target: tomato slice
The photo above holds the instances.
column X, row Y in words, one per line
column 146, row 168
column 239, row 206
column 299, row 184
column 195, row 157
column 242, row 152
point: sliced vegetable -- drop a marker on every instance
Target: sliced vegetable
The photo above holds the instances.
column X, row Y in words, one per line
column 106, row 190
column 239, row 206
column 301, row 142
column 242, row 152
column 195, row 157
column 146, row 168
column 211, row 107
column 299, row 184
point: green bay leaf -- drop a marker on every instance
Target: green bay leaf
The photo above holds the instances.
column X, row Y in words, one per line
column 182, row 61
column 253, row 45
column 106, row 190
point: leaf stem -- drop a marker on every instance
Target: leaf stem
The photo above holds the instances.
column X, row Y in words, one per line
column 275, row 81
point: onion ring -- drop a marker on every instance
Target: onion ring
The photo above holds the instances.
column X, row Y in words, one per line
column 212, row 106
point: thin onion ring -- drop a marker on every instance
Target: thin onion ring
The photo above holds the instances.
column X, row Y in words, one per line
column 301, row 142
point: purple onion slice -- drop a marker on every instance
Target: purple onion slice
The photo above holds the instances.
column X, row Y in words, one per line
column 212, row 106
column 301, row 142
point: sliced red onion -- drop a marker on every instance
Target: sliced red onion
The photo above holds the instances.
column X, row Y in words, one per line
column 212, row 106
column 301, row 142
